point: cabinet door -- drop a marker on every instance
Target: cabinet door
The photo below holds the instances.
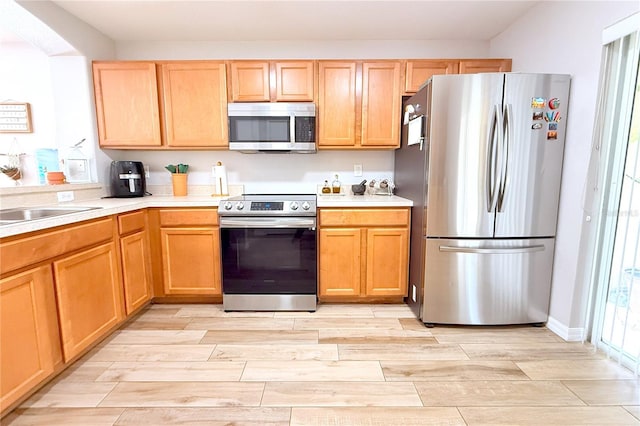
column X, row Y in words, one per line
column 195, row 104
column 29, row 339
column 417, row 72
column 127, row 104
column 191, row 261
column 381, row 104
column 136, row 270
column 88, row 291
column 340, row 262
column 387, row 264
column 337, row 109
column 472, row 66
column 250, row 81
column 294, row 81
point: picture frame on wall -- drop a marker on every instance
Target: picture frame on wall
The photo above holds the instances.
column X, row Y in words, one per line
column 15, row 117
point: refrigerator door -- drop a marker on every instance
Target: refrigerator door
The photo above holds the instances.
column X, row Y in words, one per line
column 535, row 115
column 464, row 130
column 410, row 180
column 487, row 282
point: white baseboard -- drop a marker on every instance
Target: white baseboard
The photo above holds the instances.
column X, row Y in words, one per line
column 568, row 334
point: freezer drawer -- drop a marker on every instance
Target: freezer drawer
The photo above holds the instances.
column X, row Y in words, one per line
column 487, row 282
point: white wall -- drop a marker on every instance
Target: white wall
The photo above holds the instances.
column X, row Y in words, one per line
column 264, row 173
column 25, row 77
column 304, row 49
column 565, row 37
column 74, row 107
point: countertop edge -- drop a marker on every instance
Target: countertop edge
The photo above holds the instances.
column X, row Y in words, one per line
column 112, row 206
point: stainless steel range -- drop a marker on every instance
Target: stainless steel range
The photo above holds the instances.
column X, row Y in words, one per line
column 268, row 248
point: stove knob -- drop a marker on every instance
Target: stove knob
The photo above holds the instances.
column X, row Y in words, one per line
column 228, row 205
column 240, row 205
column 294, row 205
column 306, row 206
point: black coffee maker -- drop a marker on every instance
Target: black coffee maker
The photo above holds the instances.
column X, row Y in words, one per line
column 127, row 179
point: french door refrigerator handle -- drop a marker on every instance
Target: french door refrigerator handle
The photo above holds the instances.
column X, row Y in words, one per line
column 493, row 155
column 492, row 250
column 507, row 138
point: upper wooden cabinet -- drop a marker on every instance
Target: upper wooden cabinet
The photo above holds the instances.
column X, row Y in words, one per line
column 194, row 98
column 472, row 66
column 359, row 104
column 337, row 104
column 188, row 98
column 271, row 81
column 127, row 104
column 295, row 81
column 249, row 81
column 381, row 104
column 419, row 71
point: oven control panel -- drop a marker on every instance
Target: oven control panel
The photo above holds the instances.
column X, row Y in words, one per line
column 267, row 206
column 250, row 206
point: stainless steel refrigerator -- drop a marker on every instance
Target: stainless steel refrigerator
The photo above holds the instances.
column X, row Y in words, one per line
column 481, row 158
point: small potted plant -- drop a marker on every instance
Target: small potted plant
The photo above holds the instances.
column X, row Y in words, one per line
column 178, row 178
column 12, row 168
column 11, row 171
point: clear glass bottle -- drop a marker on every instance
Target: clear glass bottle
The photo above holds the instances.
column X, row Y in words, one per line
column 335, row 185
column 326, row 189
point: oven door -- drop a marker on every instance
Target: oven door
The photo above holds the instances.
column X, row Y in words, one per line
column 268, row 255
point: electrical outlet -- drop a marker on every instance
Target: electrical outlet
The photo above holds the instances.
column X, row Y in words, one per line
column 357, row 169
column 65, row 196
column 147, row 171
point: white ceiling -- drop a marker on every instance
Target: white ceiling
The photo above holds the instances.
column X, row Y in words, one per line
column 251, row 20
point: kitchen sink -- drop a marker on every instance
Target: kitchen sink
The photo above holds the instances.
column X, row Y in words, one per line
column 22, row 214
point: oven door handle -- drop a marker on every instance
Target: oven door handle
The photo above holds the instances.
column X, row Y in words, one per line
column 270, row 222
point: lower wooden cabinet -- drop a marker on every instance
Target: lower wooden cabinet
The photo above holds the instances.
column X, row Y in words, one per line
column 135, row 270
column 29, row 339
column 363, row 254
column 190, row 260
column 190, row 250
column 340, row 262
column 387, row 261
column 89, row 295
column 136, row 259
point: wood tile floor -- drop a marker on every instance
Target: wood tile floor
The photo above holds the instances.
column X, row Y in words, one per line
column 343, row 365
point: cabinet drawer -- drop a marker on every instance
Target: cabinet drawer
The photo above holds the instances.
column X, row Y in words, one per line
column 181, row 217
column 364, row 217
column 30, row 250
column 131, row 222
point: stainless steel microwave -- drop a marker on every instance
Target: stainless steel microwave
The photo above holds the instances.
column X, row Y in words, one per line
column 272, row 126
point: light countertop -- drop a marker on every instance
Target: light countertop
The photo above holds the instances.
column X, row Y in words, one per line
column 349, row 200
column 111, row 206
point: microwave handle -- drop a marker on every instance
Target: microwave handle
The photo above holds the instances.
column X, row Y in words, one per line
column 292, row 128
